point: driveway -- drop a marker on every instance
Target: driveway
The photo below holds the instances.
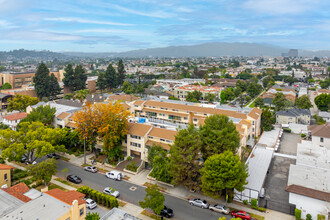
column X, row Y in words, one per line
column 276, row 197
column 100, row 210
column 288, row 144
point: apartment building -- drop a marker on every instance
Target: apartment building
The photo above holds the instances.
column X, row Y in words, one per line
column 247, row 121
column 141, row 137
column 182, row 91
column 18, row 79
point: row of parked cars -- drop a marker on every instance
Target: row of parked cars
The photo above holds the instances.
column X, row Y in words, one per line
column 220, row 208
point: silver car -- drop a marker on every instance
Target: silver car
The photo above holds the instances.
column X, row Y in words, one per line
column 90, row 203
column 219, row 208
column 111, row 191
column 91, row 169
column 200, row 203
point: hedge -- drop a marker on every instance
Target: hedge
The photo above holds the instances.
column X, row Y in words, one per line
column 100, row 198
column 297, row 213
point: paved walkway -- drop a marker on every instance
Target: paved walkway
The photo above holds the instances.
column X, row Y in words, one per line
column 65, row 186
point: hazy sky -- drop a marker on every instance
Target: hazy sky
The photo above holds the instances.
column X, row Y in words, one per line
column 108, row 26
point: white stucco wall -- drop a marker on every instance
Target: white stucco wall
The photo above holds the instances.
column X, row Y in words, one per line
column 309, row 205
column 317, row 140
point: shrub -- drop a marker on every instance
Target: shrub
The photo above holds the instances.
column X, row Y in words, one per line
column 254, row 202
column 320, row 217
column 245, row 202
column 129, row 158
column 2, row 161
column 297, row 213
column 308, row 217
column 303, row 135
column 132, row 166
column 99, row 197
column 288, row 130
column 261, row 209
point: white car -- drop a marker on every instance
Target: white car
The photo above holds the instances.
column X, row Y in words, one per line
column 111, row 191
column 90, row 203
column 115, row 175
column 91, row 169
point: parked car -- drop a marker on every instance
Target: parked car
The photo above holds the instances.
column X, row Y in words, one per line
column 53, row 155
column 91, row 169
column 90, row 203
column 167, row 212
column 111, row 191
column 200, row 203
column 262, row 193
column 25, row 160
column 241, row 214
column 219, row 208
column 115, row 175
column 73, row 178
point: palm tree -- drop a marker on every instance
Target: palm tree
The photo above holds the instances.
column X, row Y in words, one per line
column 81, row 95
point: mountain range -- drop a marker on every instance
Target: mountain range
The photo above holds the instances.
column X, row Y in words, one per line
column 200, row 50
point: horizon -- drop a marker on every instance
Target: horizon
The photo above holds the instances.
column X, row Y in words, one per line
column 104, row 26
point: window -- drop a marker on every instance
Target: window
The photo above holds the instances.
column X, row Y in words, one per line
column 162, row 139
column 68, row 218
column 81, row 211
column 136, row 106
column 150, row 137
column 135, row 137
column 5, row 176
column 321, row 140
column 252, row 122
column 135, row 144
column 185, row 118
column 168, row 141
column 195, row 119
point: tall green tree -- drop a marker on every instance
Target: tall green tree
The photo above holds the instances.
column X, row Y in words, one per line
column 154, row 199
column 322, row 102
column 218, row 134
column 21, row 102
column 161, row 167
column 33, row 140
column 121, row 72
column 81, row 95
column 54, row 86
column 69, row 77
column 259, row 102
column 184, row 158
column 43, row 170
column 41, row 81
column 44, row 114
column 80, row 78
column 6, row 86
column 194, row 96
column 303, row 102
column 101, row 82
column 223, row 172
column 254, row 89
column 267, row 120
column 280, row 102
column 210, row 97
column 93, row 216
column 111, row 77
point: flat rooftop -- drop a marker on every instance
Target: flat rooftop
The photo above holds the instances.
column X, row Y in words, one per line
column 269, row 138
column 313, row 156
column 43, row 207
column 8, row 203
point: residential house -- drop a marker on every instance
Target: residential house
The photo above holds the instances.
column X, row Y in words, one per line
column 308, row 182
column 13, row 120
column 5, row 175
column 20, row 202
column 323, row 91
column 325, row 116
column 320, row 135
column 296, row 116
column 289, row 93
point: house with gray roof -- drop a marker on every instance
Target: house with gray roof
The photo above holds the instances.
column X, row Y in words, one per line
column 296, row 116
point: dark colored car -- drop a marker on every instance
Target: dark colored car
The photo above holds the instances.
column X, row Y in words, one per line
column 167, row 212
column 53, row 155
column 241, row 214
column 73, row 178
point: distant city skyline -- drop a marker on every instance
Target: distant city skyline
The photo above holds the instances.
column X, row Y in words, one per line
column 116, row 26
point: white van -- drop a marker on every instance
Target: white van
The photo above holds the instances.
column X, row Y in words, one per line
column 115, row 175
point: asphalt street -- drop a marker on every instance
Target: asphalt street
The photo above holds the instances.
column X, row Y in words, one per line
column 181, row 208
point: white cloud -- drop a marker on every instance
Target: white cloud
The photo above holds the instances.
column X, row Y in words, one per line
column 155, row 14
column 86, row 21
column 113, row 31
column 281, row 6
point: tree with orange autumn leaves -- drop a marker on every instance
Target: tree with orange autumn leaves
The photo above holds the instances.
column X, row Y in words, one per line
column 106, row 121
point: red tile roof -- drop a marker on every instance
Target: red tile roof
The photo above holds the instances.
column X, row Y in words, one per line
column 316, row 194
column 5, row 167
column 67, row 197
column 17, row 191
column 16, row 116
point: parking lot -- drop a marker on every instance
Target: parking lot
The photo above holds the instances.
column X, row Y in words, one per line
column 100, row 210
column 276, row 197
